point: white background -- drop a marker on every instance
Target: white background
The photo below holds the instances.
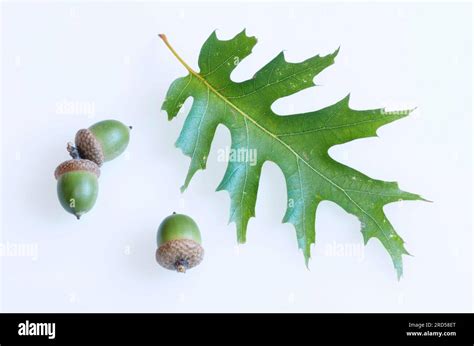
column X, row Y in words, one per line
column 108, row 56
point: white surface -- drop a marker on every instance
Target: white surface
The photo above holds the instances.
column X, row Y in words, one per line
column 108, row 56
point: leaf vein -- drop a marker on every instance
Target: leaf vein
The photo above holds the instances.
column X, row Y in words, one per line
column 288, row 134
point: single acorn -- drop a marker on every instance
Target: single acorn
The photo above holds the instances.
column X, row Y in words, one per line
column 103, row 141
column 179, row 243
column 77, row 185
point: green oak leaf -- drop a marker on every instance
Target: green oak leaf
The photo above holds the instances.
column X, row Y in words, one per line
column 298, row 143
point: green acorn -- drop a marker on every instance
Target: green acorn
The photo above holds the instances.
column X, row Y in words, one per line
column 179, row 243
column 77, row 185
column 103, row 141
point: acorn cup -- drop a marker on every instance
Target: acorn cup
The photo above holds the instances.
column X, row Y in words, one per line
column 103, row 141
column 179, row 243
column 77, row 185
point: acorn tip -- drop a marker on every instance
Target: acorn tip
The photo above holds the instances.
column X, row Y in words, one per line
column 181, row 268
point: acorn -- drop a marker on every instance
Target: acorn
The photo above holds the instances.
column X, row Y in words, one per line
column 179, row 243
column 77, row 185
column 103, row 141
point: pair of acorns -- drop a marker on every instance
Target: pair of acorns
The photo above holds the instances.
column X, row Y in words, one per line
column 77, row 178
column 178, row 239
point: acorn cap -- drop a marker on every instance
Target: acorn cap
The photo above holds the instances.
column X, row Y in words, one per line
column 180, row 254
column 77, row 165
column 89, row 147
